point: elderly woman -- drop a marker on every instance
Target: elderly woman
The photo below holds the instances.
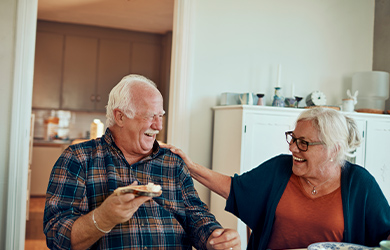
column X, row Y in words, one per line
column 313, row 195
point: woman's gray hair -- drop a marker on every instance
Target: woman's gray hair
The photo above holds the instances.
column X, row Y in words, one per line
column 338, row 132
column 121, row 97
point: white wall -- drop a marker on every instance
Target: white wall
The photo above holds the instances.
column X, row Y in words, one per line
column 238, row 45
column 7, row 15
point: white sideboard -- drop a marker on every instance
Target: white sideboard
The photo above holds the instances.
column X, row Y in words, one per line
column 246, row 135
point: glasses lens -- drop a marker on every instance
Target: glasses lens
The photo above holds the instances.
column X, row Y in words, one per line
column 289, row 138
column 302, row 145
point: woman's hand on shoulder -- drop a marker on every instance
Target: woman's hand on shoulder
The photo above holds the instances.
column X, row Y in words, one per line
column 190, row 164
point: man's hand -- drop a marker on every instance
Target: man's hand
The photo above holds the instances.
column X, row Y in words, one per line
column 224, row 239
column 118, row 208
column 114, row 210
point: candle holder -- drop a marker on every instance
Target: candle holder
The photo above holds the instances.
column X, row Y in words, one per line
column 278, row 98
column 260, row 101
column 298, row 99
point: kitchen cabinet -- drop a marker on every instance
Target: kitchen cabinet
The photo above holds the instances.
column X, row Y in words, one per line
column 79, row 74
column 48, row 70
column 76, row 66
column 114, row 63
column 146, row 59
column 247, row 135
column 43, row 159
column 92, row 68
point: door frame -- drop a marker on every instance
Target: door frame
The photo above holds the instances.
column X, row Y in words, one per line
column 178, row 129
column 24, row 50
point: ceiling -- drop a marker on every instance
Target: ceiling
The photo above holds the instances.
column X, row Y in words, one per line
column 155, row 16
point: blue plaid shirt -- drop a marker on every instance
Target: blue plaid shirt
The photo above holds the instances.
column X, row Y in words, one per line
column 87, row 173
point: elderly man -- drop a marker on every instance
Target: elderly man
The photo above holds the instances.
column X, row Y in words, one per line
column 81, row 210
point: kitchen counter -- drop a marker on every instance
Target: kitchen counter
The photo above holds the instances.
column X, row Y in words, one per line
column 44, row 155
column 52, row 143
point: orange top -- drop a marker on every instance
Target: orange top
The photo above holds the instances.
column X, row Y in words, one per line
column 302, row 219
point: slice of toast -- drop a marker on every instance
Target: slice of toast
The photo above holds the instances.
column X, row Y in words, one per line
column 151, row 190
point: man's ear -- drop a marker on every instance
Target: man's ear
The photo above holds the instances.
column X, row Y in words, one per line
column 119, row 117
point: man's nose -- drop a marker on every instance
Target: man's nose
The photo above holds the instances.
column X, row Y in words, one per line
column 157, row 123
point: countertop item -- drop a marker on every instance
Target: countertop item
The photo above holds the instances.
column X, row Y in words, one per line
column 373, row 87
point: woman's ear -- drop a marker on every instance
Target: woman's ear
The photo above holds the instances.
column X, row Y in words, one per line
column 119, row 117
column 334, row 155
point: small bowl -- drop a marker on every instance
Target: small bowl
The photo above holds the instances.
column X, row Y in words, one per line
column 290, row 102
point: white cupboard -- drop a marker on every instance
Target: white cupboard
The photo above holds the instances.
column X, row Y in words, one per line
column 377, row 152
column 245, row 136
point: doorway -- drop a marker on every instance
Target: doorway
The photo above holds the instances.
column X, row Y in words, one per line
column 177, row 131
column 35, row 239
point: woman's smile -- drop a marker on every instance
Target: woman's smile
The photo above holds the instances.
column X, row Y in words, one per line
column 298, row 159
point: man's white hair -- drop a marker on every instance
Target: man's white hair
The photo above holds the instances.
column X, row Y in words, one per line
column 121, row 97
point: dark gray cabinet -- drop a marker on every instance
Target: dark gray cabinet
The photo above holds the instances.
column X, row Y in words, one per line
column 114, row 63
column 48, row 70
column 79, row 73
column 76, row 66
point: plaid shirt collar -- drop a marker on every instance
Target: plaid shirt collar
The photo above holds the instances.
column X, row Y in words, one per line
column 109, row 139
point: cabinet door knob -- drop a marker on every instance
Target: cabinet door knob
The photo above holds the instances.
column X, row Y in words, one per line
column 92, row 98
column 98, row 98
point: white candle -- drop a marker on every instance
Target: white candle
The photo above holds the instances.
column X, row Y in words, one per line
column 279, row 74
column 292, row 90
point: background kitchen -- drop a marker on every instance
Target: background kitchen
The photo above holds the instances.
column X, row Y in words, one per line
column 76, row 65
column 222, row 46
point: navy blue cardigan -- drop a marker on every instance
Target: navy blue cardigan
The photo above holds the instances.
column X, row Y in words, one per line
column 254, row 196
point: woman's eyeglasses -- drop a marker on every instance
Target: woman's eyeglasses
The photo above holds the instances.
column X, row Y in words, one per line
column 301, row 144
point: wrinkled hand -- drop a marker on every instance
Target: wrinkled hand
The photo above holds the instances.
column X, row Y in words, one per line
column 224, row 239
column 180, row 153
column 118, row 209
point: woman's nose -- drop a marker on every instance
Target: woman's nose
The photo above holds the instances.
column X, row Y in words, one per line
column 293, row 147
